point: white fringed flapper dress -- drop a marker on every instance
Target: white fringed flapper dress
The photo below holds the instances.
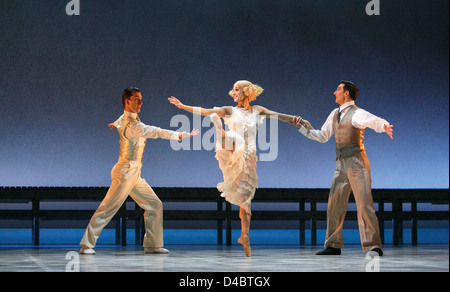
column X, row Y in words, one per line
column 238, row 166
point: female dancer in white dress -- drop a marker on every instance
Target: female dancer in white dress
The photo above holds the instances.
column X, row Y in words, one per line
column 236, row 148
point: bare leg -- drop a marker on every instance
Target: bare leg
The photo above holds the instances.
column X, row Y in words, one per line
column 228, row 141
column 220, row 132
column 225, row 140
column 245, row 228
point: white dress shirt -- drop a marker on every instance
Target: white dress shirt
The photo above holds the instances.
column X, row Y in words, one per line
column 137, row 129
column 361, row 119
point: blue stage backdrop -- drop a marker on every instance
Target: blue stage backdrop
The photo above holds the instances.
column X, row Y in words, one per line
column 61, row 79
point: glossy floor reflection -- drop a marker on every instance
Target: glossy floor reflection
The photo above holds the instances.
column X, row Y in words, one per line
column 213, row 258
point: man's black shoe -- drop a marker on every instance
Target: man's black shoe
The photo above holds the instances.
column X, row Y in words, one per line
column 329, row 251
column 378, row 250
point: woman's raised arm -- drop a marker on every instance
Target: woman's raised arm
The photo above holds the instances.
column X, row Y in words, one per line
column 220, row 111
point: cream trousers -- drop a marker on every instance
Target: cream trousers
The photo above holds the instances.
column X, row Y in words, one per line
column 352, row 174
column 126, row 180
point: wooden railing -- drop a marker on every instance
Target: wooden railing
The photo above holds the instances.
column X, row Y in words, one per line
column 224, row 216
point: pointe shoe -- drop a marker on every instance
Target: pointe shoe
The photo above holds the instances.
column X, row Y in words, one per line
column 87, row 251
column 246, row 244
column 152, row 250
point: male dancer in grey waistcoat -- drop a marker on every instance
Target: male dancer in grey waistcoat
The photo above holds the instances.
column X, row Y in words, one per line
column 126, row 177
column 352, row 173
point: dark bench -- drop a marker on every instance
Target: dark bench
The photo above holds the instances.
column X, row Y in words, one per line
column 224, row 215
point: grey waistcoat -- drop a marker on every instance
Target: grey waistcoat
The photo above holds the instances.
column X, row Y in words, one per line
column 349, row 140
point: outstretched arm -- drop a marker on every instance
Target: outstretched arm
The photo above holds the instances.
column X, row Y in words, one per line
column 139, row 129
column 146, row 131
column 322, row 135
column 282, row 117
column 364, row 119
column 220, row 111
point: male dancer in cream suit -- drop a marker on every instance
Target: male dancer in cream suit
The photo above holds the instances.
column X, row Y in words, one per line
column 126, row 177
column 352, row 173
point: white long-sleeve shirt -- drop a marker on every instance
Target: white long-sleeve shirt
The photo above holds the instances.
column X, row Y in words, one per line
column 137, row 129
column 361, row 119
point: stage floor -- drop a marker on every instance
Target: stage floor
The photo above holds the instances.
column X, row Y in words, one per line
column 214, row 258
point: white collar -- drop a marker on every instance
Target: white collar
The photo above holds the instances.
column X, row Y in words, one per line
column 129, row 114
column 346, row 105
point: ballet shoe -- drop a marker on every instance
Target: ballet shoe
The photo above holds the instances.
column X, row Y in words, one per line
column 153, row 250
column 246, row 244
column 87, row 251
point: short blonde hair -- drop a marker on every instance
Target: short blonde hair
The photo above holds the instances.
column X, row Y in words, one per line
column 251, row 91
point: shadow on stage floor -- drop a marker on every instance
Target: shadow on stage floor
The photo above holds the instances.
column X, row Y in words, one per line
column 216, row 258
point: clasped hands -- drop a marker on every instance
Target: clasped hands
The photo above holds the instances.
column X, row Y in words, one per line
column 298, row 122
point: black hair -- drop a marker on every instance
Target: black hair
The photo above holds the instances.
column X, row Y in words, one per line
column 127, row 93
column 352, row 89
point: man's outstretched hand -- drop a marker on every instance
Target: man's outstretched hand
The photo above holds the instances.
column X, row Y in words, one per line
column 389, row 130
column 188, row 135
